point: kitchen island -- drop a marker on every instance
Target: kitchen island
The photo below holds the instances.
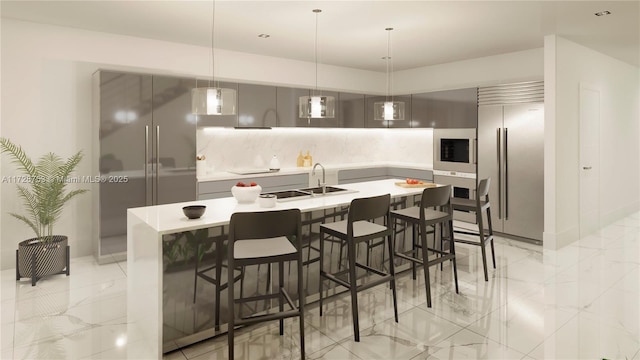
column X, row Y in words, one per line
column 148, row 229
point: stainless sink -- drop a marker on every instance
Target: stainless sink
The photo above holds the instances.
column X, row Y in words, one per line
column 318, row 190
column 298, row 194
column 286, row 195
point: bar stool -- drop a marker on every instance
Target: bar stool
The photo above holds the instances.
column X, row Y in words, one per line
column 217, row 243
column 434, row 209
column 265, row 238
column 478, row 205
column 357, row 228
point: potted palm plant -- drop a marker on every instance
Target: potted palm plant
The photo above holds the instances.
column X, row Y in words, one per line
column 43, row 189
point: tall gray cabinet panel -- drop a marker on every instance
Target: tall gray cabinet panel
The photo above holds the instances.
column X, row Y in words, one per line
column 371, row 123
column 351, row 110
column 445, row 109
column 256, row 105
column 174, row 141
column 287, row 106
column 219, row 120
column 147, row 143
column 510, row 151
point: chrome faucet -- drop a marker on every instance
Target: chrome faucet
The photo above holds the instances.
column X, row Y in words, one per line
column 324, row 181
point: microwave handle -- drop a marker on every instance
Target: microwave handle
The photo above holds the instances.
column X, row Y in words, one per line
column 474, row 151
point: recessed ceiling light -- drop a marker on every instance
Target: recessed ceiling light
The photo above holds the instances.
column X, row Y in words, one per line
column 603, row 13
column 264, row 36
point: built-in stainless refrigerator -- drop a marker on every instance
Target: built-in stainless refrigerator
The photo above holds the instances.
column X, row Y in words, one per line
column 511, row 153
column 145, row 150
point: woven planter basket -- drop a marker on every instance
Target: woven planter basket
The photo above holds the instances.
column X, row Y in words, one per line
column 50, row 257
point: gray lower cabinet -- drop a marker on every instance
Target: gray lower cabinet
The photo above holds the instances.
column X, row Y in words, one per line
column 445, row 109
column 256, row 106
column 222, row 188
column 371, row 123
column 351, row 108
column 380, row 173
column 219, row 120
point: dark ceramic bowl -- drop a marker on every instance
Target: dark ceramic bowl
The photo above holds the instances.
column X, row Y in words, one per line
column 194, row 211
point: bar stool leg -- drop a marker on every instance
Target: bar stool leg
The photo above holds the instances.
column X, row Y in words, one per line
column 351, row 254
column 231, row 309
column 301, row 297
column 453, row 251
column 425, row 263
column 413, row 249
column 493, row 253
column 280, row 293
column 392, row 272
column 321, row 267
column 218, row 282
column 482, row 244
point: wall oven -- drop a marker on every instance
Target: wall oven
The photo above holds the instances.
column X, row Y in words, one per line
column 455, row 150
column 463, row 185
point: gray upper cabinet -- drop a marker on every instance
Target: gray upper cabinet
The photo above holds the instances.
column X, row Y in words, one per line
column 371, row 123
column 446, row 109
column 219, row 120
column 256, row 105
column 287, row 106
column 351, row 110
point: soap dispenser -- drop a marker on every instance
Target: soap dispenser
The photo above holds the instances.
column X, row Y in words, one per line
column 307, row 160
column 300, row 160
column 274, row 165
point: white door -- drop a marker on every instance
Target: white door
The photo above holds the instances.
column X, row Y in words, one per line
column 589, row 159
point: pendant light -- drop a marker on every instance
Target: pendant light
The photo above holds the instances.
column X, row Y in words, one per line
column 213, row 100
column 388, row 109
column 317, row 105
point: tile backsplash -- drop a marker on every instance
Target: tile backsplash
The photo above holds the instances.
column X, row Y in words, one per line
column 227, row 148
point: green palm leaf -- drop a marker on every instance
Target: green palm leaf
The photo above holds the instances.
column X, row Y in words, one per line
column 46, row 195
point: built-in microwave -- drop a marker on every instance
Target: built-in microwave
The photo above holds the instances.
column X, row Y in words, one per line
column 455, row 150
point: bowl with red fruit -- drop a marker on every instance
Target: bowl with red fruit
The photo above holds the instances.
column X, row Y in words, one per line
column 246, row 193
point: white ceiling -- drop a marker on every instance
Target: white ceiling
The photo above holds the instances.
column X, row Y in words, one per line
column 351, row 33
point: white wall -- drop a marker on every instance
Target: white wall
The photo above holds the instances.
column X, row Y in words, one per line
column 567, row 65
column 507, row 68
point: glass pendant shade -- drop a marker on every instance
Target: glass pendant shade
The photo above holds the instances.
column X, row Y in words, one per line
column 317, row 107
column 213, row 101
column 388, row 110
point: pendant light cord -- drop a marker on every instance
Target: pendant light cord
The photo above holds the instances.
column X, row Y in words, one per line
column 213, row 59
column 388, row 59
column 315, row 50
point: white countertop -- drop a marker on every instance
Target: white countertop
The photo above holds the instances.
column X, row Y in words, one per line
column 224, row 175
column 169, row 218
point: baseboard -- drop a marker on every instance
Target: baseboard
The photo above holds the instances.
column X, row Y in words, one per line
column 555, row 241
column 620, row 213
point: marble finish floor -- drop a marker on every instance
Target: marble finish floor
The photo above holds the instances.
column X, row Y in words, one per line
column 579, row 302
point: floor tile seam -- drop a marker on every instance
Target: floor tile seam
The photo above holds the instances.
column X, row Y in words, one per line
column 66, row 291
column 484, row 337
column 65, row 334
column 340, row 344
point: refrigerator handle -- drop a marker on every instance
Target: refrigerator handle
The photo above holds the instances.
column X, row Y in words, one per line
column 146, row 164
column 506, row 174
column 499, row 160
column 157, row 163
